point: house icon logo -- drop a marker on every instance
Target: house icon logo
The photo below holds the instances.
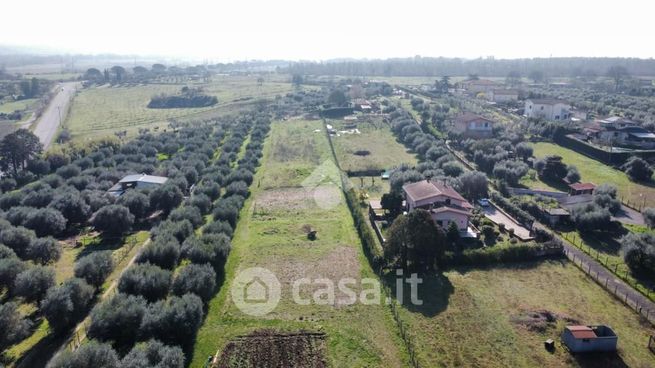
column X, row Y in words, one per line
column 326, row 183
column 256, row 291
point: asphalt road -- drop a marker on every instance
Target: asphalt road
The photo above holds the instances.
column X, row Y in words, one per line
column 48, row 123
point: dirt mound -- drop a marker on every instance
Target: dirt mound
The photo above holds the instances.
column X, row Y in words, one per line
column 273, row 349
column 540, row 320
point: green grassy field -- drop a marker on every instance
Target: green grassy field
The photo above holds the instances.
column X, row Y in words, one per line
column 100, row 111
column 376, row 138
column 597, row 173
column 270, row 234
column 9, row 107
column 485, row 318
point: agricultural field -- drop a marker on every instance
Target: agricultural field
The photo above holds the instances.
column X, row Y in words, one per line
column 271, row 233
column 500, row 317
column 598, row 173
column 372, row 146
column 9, row 107
column 99, row 111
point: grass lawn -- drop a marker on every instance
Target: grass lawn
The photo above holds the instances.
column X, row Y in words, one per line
column 270, row 235
column 99, row 111
column 9, row 107
column 598, row 173
column 375, row 136
column 606, row 248
column 486, row 318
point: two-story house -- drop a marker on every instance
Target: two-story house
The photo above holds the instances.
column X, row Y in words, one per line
column 442, row 201
column 473, row 126
column 547, row 108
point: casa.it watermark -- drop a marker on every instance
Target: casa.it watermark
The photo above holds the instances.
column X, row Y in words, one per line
column 257, row 291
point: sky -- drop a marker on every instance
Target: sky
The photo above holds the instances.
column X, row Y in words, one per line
column 220, row 30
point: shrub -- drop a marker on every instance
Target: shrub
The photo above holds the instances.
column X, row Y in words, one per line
column 147, row 280
column 180, row 230
column 639, row 253
column 510, row 171
column 91, row 355
column 154, row 354
column 196, row 279
column 44, row 250
column 166, row 197
column 237, row 188
column 17, row 215
column 474, row 184
column 210, row 248
column 39, row 198
column 201, row 202
column 18, row 239
column 66, row 304
column 72, row 206
column 218, row 227
column 210, row 189
column 118, row 319
column 494, row 255
column 46, row 221
column 6, row 252
column 225, row 211
column 590, row 217
column 95, row 267
column 637, row 169
column 9, row 269
column 174, row 321
column 137, row 202
column 163, row 252
column 13, row 326
column 11, row 199
column 113, row 219
column 452, row 168
column 192, row 214
column 649, row 217
column 572, row 174
column 69, row 171
column 33, row 283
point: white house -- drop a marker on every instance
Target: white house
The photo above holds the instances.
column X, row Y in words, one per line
column 442, row 201
column 473, row 126
column 547, row 108
column 503, row 95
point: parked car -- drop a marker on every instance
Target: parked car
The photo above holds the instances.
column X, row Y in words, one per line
column 484, row 202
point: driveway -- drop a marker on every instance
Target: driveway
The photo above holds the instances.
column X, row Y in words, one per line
column 498, row 217
column 47, row 125
column 629, row 216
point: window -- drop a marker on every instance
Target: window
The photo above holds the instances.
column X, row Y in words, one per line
column 439, row 222
column 556, row 117
column 542, row 107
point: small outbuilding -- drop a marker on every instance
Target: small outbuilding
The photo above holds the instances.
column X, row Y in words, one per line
column 587, row 339
column 136, row 181
column 581, row 188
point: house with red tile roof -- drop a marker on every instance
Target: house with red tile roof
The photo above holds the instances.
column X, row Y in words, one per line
column 473, row 126
column 441, row 200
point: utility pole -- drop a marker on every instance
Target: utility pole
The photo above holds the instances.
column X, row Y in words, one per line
column 59, row 110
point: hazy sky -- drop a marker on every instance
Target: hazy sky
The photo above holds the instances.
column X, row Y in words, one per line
column 310, row 29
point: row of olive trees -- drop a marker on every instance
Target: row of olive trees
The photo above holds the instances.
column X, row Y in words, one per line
column 153, row 304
